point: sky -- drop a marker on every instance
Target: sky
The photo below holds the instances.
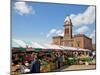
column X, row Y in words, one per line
column 38, row 22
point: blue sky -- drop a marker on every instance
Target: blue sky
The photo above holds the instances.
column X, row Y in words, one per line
column 40, row 21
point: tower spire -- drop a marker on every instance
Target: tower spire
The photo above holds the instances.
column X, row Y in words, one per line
column 67, row 28
column 67, row 19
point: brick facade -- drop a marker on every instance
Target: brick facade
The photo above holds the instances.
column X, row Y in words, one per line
column 79, row 40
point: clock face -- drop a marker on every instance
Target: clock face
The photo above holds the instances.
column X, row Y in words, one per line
column 66, row 22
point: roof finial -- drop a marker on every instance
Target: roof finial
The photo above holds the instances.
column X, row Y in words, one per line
column 67, row 18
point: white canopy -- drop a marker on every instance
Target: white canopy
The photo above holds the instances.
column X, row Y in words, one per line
column 49, row 46
column 68, row 48
column 24, row 44
column 14, row 44
column 37, row 45
column 18, row 43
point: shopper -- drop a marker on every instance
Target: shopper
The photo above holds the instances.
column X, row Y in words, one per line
column 35, row 67
column 58, row 60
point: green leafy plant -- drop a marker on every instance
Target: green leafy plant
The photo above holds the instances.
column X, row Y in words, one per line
column 71, row 60
column 86, row 59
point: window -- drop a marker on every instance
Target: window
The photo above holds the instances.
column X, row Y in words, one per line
column 78, row 43
column 67, row 31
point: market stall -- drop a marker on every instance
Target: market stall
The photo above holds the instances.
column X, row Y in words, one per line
column 47, row 54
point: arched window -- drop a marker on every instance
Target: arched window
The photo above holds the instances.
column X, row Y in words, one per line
column 67, row 31
column 78, row 43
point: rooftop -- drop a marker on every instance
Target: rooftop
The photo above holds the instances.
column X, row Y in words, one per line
column 57, row 36
column 81, row 35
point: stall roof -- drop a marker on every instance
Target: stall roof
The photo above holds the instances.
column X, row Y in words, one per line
column 84, row 49
column 73, row 48
column 37, row 45
column 49, row 46
column 23, row 44
column 20, row 43
column 68, row 48
column 14, row 44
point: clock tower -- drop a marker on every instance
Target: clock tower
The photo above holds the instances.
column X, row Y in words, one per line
column 67, row 29
column 67, row 39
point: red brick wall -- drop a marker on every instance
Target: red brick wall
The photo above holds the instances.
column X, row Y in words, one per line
column 85, row 43
column 80, row 40
column 57, row 41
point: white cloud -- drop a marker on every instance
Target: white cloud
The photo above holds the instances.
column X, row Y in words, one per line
column 92, row 35
column 58, row 31
column 61, row 34
column 22, row 8
column 85, row 18
column 54, row 32
column 82, row 29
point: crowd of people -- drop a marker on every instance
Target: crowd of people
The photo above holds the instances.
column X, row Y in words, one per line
column 26, row 63
column 31, row 62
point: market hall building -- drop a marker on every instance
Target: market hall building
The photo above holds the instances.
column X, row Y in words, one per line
column 78, row 41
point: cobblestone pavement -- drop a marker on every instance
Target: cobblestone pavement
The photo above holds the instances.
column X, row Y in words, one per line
column 79, row 67
column 76, row 67
column 73, row 68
